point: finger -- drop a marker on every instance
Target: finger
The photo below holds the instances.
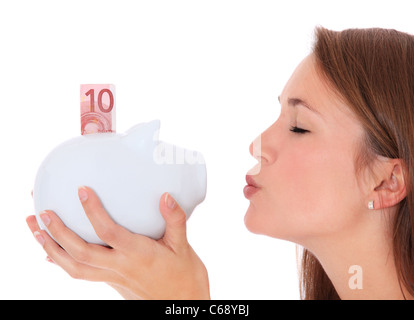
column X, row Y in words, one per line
column 175, row 218
column 32, row 223
column 107, row 230
column 76, row 247
column 74, row 268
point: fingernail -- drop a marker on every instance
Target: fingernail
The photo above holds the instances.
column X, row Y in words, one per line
column 45, row 218
column 169, row 201
column 83, row 194
column 39, row 238
column 48, row 259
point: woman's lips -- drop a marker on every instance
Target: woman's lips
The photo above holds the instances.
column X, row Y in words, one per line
column 251, row 188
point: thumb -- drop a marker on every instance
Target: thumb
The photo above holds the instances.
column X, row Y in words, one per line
column 175, row 219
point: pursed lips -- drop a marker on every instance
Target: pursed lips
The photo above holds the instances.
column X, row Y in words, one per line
column 251, row 188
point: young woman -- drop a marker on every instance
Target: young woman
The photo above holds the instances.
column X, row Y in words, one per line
column 336, row 177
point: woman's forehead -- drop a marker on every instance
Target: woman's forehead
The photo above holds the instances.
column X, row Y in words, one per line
column 308, row 84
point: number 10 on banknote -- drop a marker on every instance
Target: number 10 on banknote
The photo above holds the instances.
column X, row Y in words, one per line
column 97, row 106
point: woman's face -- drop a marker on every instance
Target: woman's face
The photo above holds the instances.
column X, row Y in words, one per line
column 307, row 180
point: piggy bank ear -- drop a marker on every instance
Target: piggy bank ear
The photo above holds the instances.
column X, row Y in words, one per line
column 142, row 136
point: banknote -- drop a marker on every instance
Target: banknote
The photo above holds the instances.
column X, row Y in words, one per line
column 97, row 108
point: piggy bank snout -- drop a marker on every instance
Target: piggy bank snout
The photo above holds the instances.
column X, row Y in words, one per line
column 188, row 168
column 199, row 175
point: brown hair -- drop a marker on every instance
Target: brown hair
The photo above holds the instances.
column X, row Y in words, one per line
column 372, row 70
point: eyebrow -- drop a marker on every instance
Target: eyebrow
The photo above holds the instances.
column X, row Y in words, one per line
column 297, row 101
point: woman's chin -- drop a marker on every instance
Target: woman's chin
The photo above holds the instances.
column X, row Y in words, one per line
column 252, row 222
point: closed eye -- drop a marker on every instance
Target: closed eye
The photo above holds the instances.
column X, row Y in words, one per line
column 298, row 130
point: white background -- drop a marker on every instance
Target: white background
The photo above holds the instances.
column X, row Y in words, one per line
column 211, row 71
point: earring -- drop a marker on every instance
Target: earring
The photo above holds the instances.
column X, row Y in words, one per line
column 371, row 205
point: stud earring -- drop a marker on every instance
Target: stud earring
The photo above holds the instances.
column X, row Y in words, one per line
column 371, row 205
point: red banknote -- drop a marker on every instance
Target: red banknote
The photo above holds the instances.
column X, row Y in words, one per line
column 97, row 104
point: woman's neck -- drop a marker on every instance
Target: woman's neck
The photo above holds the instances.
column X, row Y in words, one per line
column 360, row 262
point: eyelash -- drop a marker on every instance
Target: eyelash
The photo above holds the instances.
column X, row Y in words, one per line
column 298, row 130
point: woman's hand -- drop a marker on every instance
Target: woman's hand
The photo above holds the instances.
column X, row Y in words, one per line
column 135, row 265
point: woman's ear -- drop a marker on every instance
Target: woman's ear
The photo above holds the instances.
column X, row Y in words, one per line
column 391, row 189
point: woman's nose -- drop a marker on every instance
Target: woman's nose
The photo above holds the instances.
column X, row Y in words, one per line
column 255, row 148
column 263, row 147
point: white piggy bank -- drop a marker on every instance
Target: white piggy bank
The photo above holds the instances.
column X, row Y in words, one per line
column 129, row 172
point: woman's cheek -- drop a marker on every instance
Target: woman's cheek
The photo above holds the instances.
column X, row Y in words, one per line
column 307, row 193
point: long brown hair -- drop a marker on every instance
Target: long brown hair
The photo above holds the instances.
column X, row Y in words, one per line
column 372, row 70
